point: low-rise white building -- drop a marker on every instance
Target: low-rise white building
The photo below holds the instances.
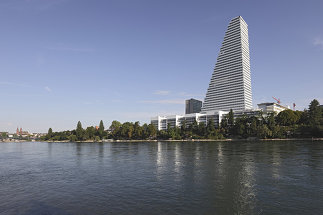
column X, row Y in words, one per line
column 271, row 107
column 159, row 122
column 162, row 122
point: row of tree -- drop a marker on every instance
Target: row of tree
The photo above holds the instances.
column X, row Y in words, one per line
column 117, row 130
column 287, row 124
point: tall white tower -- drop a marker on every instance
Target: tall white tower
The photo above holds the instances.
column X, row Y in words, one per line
column 230, row 85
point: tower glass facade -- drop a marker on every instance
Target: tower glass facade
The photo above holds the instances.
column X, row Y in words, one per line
column 192, row 106
column 230, row 85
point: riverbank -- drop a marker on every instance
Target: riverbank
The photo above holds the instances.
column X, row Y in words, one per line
column 220, row 140
column 184, row 140
column 15, row 141
column 194, row 140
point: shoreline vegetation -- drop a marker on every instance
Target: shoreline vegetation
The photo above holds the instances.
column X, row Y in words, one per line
column 287, row 125
column 192, row 140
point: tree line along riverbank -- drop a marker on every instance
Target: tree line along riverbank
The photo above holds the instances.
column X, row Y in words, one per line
column 286, row 124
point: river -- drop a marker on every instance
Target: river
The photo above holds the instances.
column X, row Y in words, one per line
column 274, row 177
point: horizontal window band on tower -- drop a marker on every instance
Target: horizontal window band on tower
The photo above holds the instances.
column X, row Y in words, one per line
column 227, row 64
column 228, row 59
column 233, row 92
column 226, row 102
column 231, row 71
column 226, row 48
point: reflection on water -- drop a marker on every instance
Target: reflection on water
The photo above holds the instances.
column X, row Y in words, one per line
column 177, row 163
column 246, row 188
column 161, row 178
column 276, row 162
column 160, row 161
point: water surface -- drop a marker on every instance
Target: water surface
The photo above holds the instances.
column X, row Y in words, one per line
column 162, row 178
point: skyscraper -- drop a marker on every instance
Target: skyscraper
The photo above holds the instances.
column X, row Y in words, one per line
column 192, row 106
column 230, row 85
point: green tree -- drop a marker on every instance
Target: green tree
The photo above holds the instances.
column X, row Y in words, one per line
column 101, row 126
column 90, row 132
column 287, row 117
column 49, row 134
column 230, row 119
column 144, row 134
column 101, row 130
column 177, row 133
column 210, row 130
column 79, row 131
column 194, row 127
column 137, row 130
column 224, row 122
column 304, row 118
column 72, row 138
column 253, row 126
column 201, row 130
column 97, row 138
column 184, row 130
column 152, row 131
column 314, row 113
column 270, row 119
column 4, row 135
column 224, row 125
column 299, row 116
column 263, row 131
column 126, row 130
column 162, row 134
column 240, row 127
column 115, row 128
column 171, row 133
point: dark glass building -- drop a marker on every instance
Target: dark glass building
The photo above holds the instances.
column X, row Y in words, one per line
column 193, row 106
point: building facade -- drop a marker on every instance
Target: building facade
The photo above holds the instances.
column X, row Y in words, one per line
column 162, row 122
column 159, row 122
column 193, row 106
column 270, row 107
column 230, row 85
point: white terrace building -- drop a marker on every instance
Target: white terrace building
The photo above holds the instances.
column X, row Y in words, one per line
column 270, row 107
column 162, row 122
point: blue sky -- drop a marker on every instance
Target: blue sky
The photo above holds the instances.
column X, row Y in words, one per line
column 67, row 60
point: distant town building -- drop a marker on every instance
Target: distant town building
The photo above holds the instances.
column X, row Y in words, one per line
column 193, row 106
column 230, row 85
column 20, row 132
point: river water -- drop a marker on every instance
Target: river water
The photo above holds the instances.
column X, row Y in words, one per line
column 162, row 178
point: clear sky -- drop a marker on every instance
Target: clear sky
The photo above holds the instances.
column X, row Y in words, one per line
column 67, row 60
